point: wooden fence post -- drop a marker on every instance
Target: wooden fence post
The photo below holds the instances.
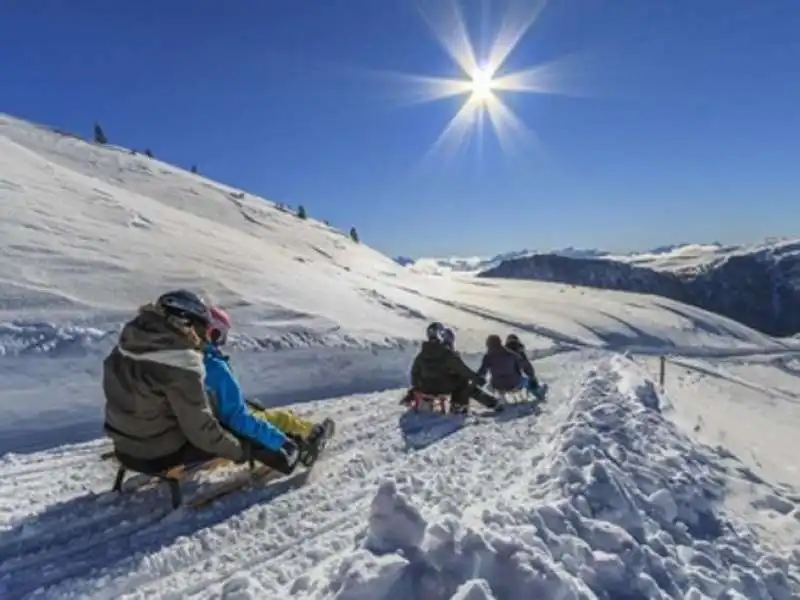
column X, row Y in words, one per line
column 662, row 367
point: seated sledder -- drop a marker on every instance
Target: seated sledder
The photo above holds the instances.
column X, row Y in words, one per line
column 514, row 344
column 439, row 371
column 157, row 412
column 507, row 369
column 268, row 427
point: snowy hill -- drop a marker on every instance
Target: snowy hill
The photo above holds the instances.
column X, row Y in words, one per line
column 613, row 491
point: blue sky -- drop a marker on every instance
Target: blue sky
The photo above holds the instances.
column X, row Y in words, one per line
column 690, row 130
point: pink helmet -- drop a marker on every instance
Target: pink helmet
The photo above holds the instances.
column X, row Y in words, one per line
column 219, row 326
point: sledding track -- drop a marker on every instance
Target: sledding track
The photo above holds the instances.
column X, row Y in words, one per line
column 74, row 544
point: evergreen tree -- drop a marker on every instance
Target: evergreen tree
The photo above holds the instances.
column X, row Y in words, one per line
column 99, row 135
column 194, row 168
column 301, row 212
column 149, row 153
column 354, row 235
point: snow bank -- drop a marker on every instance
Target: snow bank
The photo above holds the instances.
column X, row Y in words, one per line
column 622, row 505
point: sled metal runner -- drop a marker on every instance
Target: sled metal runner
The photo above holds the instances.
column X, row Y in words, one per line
column 173, row 477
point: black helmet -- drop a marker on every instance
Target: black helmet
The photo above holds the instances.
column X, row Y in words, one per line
column 448, row 337
column 434, row 331
column 185, row 305
column 513, row 342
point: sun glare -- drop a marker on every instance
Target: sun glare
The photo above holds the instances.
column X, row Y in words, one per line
column 481, row 84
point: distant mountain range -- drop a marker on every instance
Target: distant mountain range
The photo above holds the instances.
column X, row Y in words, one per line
column 757, row 285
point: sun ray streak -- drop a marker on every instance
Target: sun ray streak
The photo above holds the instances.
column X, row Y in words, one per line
column 419, row 89
column 508, row 127
column 458, row 130
column 547, row 78
column 451, row 31
column 513, row 29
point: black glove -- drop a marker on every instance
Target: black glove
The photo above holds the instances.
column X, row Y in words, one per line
column 285, row 459
column 290, row 452
column 480, row 381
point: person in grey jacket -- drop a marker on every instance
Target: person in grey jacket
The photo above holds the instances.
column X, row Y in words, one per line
column 157, row 412
column 505, row 366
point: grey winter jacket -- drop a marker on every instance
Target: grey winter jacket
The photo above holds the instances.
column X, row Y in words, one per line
column 155, row 397
column 505, row 367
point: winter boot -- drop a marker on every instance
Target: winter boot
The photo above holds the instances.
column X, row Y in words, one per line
column 459, row 408
column 316, row 441
column 539, row 391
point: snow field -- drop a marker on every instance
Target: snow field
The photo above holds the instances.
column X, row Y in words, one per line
column 600, row 496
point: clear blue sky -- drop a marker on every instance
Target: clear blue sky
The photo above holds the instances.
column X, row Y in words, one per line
column 691, row 131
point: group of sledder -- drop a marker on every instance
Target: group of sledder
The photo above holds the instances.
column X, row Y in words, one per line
column 438, row 371
column 172, row 398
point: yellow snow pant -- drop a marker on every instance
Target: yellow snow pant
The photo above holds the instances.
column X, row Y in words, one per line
column 285, row 420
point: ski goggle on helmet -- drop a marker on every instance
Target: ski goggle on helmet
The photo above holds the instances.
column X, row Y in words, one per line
column 218, row 327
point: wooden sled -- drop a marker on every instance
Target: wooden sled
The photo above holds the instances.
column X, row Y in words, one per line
column 174, row 476
column 521, row 395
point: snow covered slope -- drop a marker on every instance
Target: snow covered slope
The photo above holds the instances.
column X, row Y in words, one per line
column 600, row 496
column 90, row 232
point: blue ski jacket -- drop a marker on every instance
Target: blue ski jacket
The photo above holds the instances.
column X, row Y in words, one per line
column 232, row 411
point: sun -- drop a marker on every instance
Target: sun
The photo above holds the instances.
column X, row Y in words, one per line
column 481, row 86
column 483, row 82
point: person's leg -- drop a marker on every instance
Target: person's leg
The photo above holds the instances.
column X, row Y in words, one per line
column 286, row 421
column 186, row 455
column 482, row 397
column 460, row 397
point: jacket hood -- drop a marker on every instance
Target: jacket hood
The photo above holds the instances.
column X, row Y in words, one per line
column 151, row 331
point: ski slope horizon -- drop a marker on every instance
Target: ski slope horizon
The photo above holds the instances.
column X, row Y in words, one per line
column 614, row 490
column 675, row 258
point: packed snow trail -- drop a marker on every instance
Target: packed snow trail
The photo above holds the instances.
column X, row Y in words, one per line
column 597, row 495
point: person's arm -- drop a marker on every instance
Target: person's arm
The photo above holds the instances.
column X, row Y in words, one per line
column 527, row 367
column 457, row 365
column 233, row 412
column 416, row 372
column 484, row 368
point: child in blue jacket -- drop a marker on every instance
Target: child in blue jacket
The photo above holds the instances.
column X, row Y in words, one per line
column 277, row 430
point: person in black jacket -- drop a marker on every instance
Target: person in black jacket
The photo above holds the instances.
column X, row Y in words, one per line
column 504, row 366
column 439, row 370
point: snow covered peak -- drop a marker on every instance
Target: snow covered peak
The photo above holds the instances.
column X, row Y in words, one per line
column 672, row 258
